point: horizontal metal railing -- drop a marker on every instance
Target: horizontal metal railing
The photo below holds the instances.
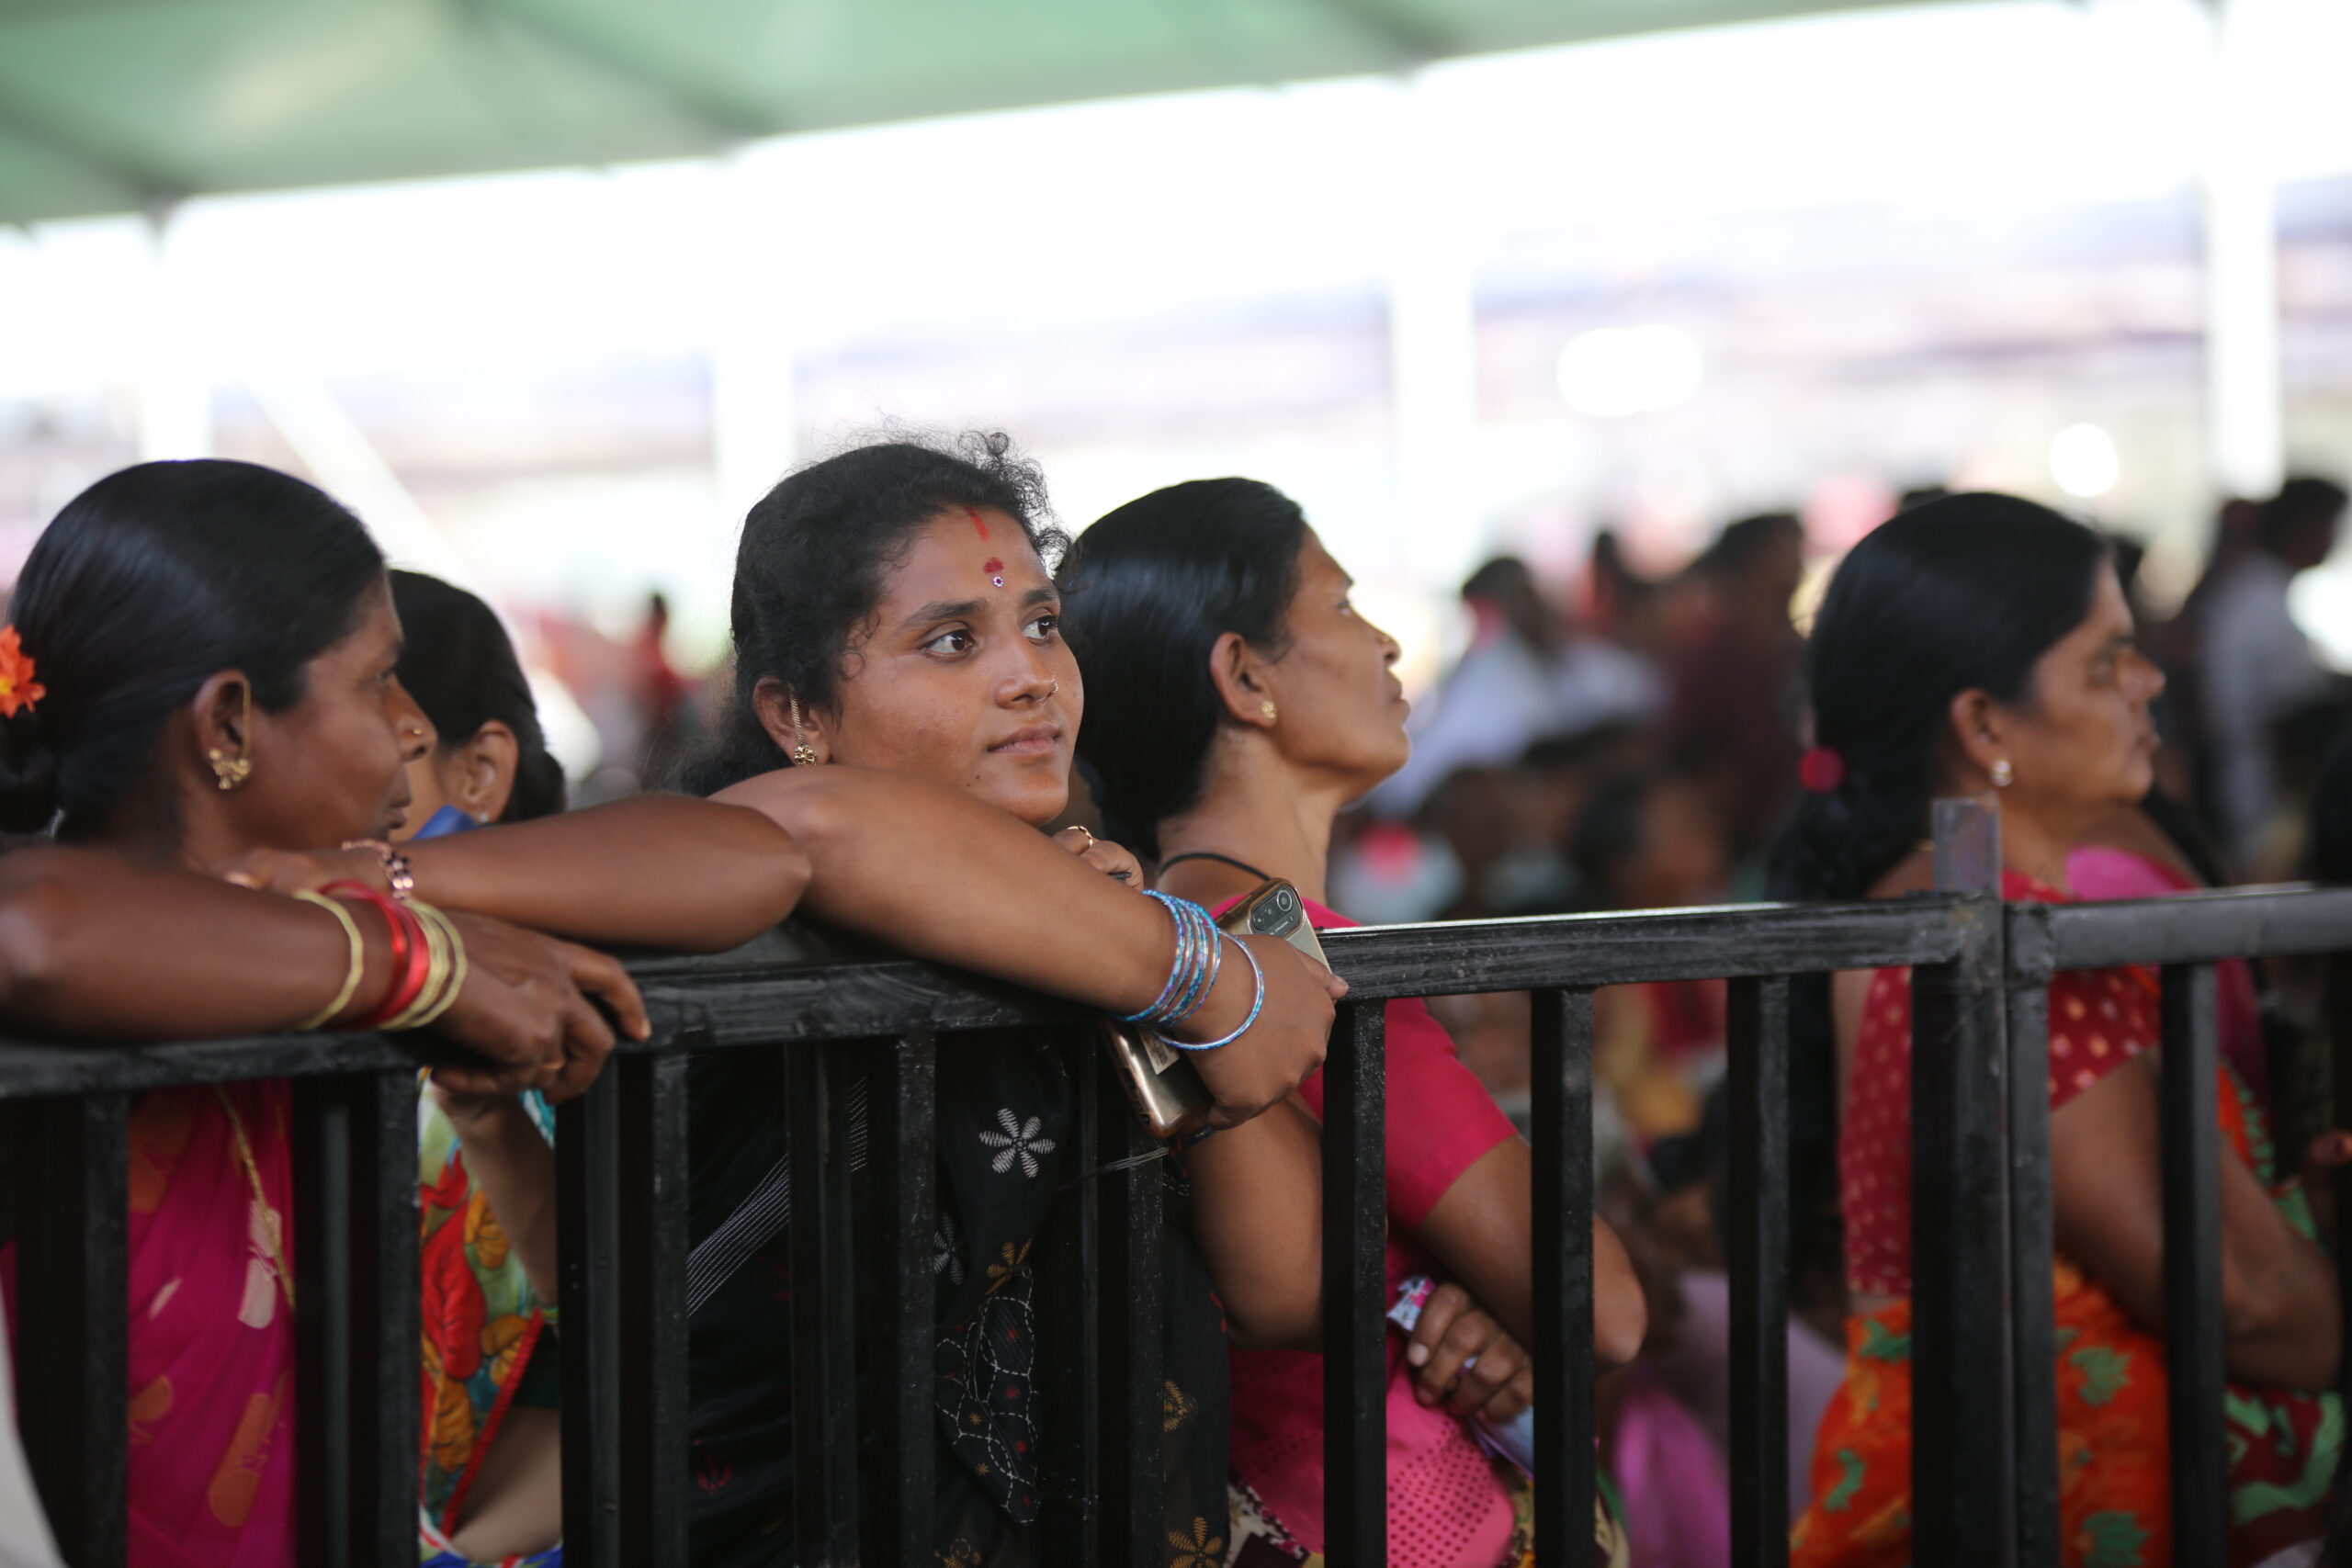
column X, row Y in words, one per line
column 859, row 1248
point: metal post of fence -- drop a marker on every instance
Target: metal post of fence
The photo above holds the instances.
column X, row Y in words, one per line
column 2339, row 1076
column 359, row 1282
column 1131, row 1309
column 2191, row 1143
column 1759, row 1204
column 1069, row 1382
column 75, row 1394
column 902, row 1174
column 587, row 1160
column 1963, row 1478
column 1355, row 1277
column 824, row 1305
column 1560, row 1068
column 653, row 1229
column 2033, row 1243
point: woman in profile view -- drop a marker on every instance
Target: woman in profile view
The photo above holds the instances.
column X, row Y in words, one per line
column 1981, row 646
column 202, row 677
column 1240, row 701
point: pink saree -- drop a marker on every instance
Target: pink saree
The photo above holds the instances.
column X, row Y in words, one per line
column 211, row 1366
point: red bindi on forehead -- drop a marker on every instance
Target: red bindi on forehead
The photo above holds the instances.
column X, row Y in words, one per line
column 995, row 569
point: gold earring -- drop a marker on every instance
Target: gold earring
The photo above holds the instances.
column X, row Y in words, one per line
column 803, row 754
column 2004, row 775
column 1268, row 709
column 230, row 772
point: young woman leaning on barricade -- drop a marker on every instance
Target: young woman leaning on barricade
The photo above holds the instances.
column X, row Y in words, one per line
column 1240, row 701
column 1981, row 645
column 215, row 651
column 898, row 643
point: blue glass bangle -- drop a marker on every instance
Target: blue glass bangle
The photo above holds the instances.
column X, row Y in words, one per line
column 1192, row 1003
column 1256, row 1005
column 1175, row 969
column 1200, row 943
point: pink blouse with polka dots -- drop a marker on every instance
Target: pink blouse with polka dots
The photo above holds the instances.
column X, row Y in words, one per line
column 2099, row 1019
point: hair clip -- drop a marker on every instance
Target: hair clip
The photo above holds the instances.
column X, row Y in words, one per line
column 1821, row 769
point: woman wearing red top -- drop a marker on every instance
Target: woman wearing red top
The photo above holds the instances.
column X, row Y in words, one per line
column 1237, row 703
column 1981, row 645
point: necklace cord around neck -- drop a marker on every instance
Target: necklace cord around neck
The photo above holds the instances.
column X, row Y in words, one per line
column 1221, row 859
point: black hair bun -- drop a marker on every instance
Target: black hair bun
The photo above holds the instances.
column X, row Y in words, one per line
column 27, row 776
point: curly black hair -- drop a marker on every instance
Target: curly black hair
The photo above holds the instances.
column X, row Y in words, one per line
column 808, row 572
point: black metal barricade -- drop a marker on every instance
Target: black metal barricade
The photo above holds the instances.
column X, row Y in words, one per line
column 1986, row 1455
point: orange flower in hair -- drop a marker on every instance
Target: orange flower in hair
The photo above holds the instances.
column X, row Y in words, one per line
column 18, row 690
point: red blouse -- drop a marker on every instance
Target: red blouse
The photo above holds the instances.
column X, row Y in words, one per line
column 2099, row 1019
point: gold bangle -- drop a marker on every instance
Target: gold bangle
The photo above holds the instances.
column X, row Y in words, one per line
column 437, row 972
column 446, row 975
column 457, row 978
column 359, row 958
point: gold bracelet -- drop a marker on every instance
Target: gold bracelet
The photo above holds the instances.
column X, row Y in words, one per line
column 437, row 972
column 457, row 979
column 359, row 958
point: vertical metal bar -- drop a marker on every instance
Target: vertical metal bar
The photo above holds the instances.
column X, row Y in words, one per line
column 387, row 1290
column 902, row 1167
column 1068, row 1395
column 1355, row 1279
column 1759, row 1069
column 1961, row 1419
column 587, row 1159
column 1131, row 1315
column 824, row 1305
column 72, row 1300
column 654, row 1227
column 1561, row 1038
column 325, row 1356
column 2339, row 1072
column 2034, row 1240
column 2191, row 1142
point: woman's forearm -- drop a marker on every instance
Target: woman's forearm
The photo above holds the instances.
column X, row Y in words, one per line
column 2279, row 1301
column 1258, row 1214
column 1483, row 1231
column 515, row 1170
column 652, row 871
column 932, row 872
column 2278, row 1291
column 95, row 948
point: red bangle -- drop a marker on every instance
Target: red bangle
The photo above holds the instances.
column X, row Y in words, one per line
column 412, row 960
